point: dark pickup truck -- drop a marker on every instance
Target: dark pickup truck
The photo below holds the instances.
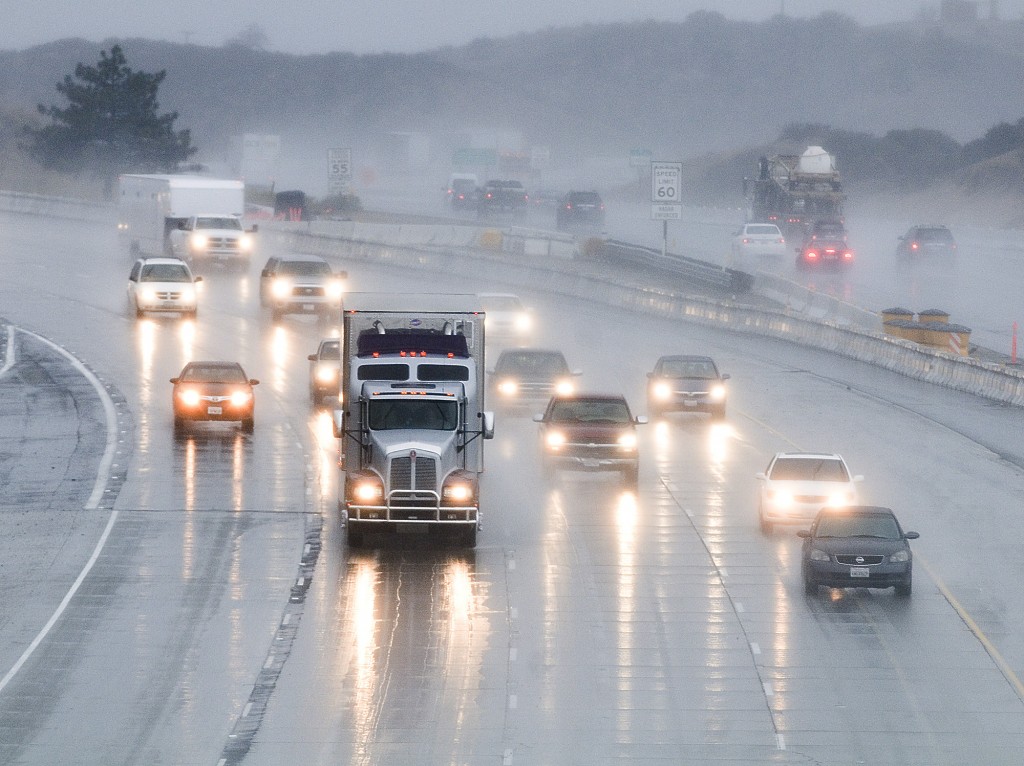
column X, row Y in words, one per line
column 502, row 197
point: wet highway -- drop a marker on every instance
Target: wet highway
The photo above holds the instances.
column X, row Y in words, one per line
column 192, row 601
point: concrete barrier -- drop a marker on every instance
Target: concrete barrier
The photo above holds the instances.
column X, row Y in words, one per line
column 812, row 320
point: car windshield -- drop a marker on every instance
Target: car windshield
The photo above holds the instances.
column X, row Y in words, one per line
column 213, row 373
column 331, row 351
column 165, row 272
column 685, row 368
column 211, row 222
column 858, row 525
column 590, row 411
column 393, row 414
column 304, row 268
column 501, row 303
column 935, row 235
column 769, row 229
column 808, row 469
column 532, row 364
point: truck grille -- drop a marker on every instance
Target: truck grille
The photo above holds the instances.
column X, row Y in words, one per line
column 402, row 473
column 222, row 244
column 165, row 295
column 305, row 291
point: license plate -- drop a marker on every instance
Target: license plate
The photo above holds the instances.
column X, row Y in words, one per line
column 860, row 572
column 214, row 410
column 690, row 402
column 307, row 306
column 589, row 462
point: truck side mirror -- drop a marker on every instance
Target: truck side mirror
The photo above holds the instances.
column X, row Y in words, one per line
column 339, row 416
column 488, row 423
column 254, row 228
column 341, row 274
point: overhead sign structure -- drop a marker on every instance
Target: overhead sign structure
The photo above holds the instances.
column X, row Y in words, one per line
column 339, row 170
column 640, row 158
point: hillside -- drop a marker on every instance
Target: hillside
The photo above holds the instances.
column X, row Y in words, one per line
column 679, row 89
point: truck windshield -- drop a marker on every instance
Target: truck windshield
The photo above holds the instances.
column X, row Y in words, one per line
column 432, row 415
column 208, row 222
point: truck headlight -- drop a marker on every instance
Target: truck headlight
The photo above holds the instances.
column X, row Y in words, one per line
column 555, row 440
column 508, row 387
column 335, row 289
column 717, row 392
column 461, row 492
column 188, row 294
column 781, row 498
column 281, row 288
column 198, row 241
column 148, row 294
column 245, row 243
column 627, row 441
column 661, row 390
column 524, row 322
column 840, row 499
column 368, row 491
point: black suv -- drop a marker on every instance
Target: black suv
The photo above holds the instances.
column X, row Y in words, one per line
column 686, row 383
column 502, row 197
column 926, row 240
column 580, row 208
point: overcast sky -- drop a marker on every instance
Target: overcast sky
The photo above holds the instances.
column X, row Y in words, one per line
column 373, row 26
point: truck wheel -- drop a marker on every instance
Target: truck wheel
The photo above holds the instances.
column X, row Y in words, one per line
column 248, row 425
column 469, row 536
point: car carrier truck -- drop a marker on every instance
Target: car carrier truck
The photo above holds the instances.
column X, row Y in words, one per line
column 411, row 415
column 794, row 190
column 187, row 216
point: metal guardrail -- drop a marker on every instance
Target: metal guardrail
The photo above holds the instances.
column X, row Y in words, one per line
column 689, row 270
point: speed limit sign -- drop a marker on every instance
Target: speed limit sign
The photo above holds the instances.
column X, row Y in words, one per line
column 339, row 169
column 666, row 182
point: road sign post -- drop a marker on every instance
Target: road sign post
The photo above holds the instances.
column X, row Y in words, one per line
column 666, row 196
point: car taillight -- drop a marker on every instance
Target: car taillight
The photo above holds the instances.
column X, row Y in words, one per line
column 848, row 255
column 913, row 246
column 810, row 255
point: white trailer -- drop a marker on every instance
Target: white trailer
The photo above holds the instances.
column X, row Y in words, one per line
column 152, row 206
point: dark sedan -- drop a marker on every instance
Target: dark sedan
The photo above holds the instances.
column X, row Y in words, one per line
column 686, row 383
column 524, row 376
column 590, row 432
column 860, row 546
column 213, row 391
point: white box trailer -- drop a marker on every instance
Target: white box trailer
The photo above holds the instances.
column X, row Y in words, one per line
column 151, row 206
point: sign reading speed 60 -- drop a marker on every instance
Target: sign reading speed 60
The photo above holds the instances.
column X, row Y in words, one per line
column 666, row 182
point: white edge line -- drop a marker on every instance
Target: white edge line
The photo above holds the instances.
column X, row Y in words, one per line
column 94, row 499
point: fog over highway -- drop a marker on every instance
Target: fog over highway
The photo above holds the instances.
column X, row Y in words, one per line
column 192, row 600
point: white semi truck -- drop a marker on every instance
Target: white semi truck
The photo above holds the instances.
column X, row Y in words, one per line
column 187, row 216
column 411, row 415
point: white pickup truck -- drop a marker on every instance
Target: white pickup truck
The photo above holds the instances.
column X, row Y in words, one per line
column 211, row 238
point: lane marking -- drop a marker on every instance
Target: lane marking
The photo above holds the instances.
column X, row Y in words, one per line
column 512, row 654
column 93, row 502
column 755, row 648
column 987, row 645
column 9, row 358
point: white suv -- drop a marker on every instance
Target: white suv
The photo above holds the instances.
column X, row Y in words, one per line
column 796, row 485
column 162, row 284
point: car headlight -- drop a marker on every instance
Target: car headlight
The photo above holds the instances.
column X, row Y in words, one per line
column 565, row 387
column 524, row 322
column 555, row 440
column 717, row 392
column 460, row 492
column 817, row 555
column 840, row 499
column 198, row 241
column 335, row 289
column 781, row 498
column 661, row 390
column 627, row 441
column 148, row 294
column 900, row 557
column 188, row 294
column 368, row 491
column 281, row 288
column 508, row 387
column 327, row 374
column 189, row 397
column 240, row 398
column 245, row 243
